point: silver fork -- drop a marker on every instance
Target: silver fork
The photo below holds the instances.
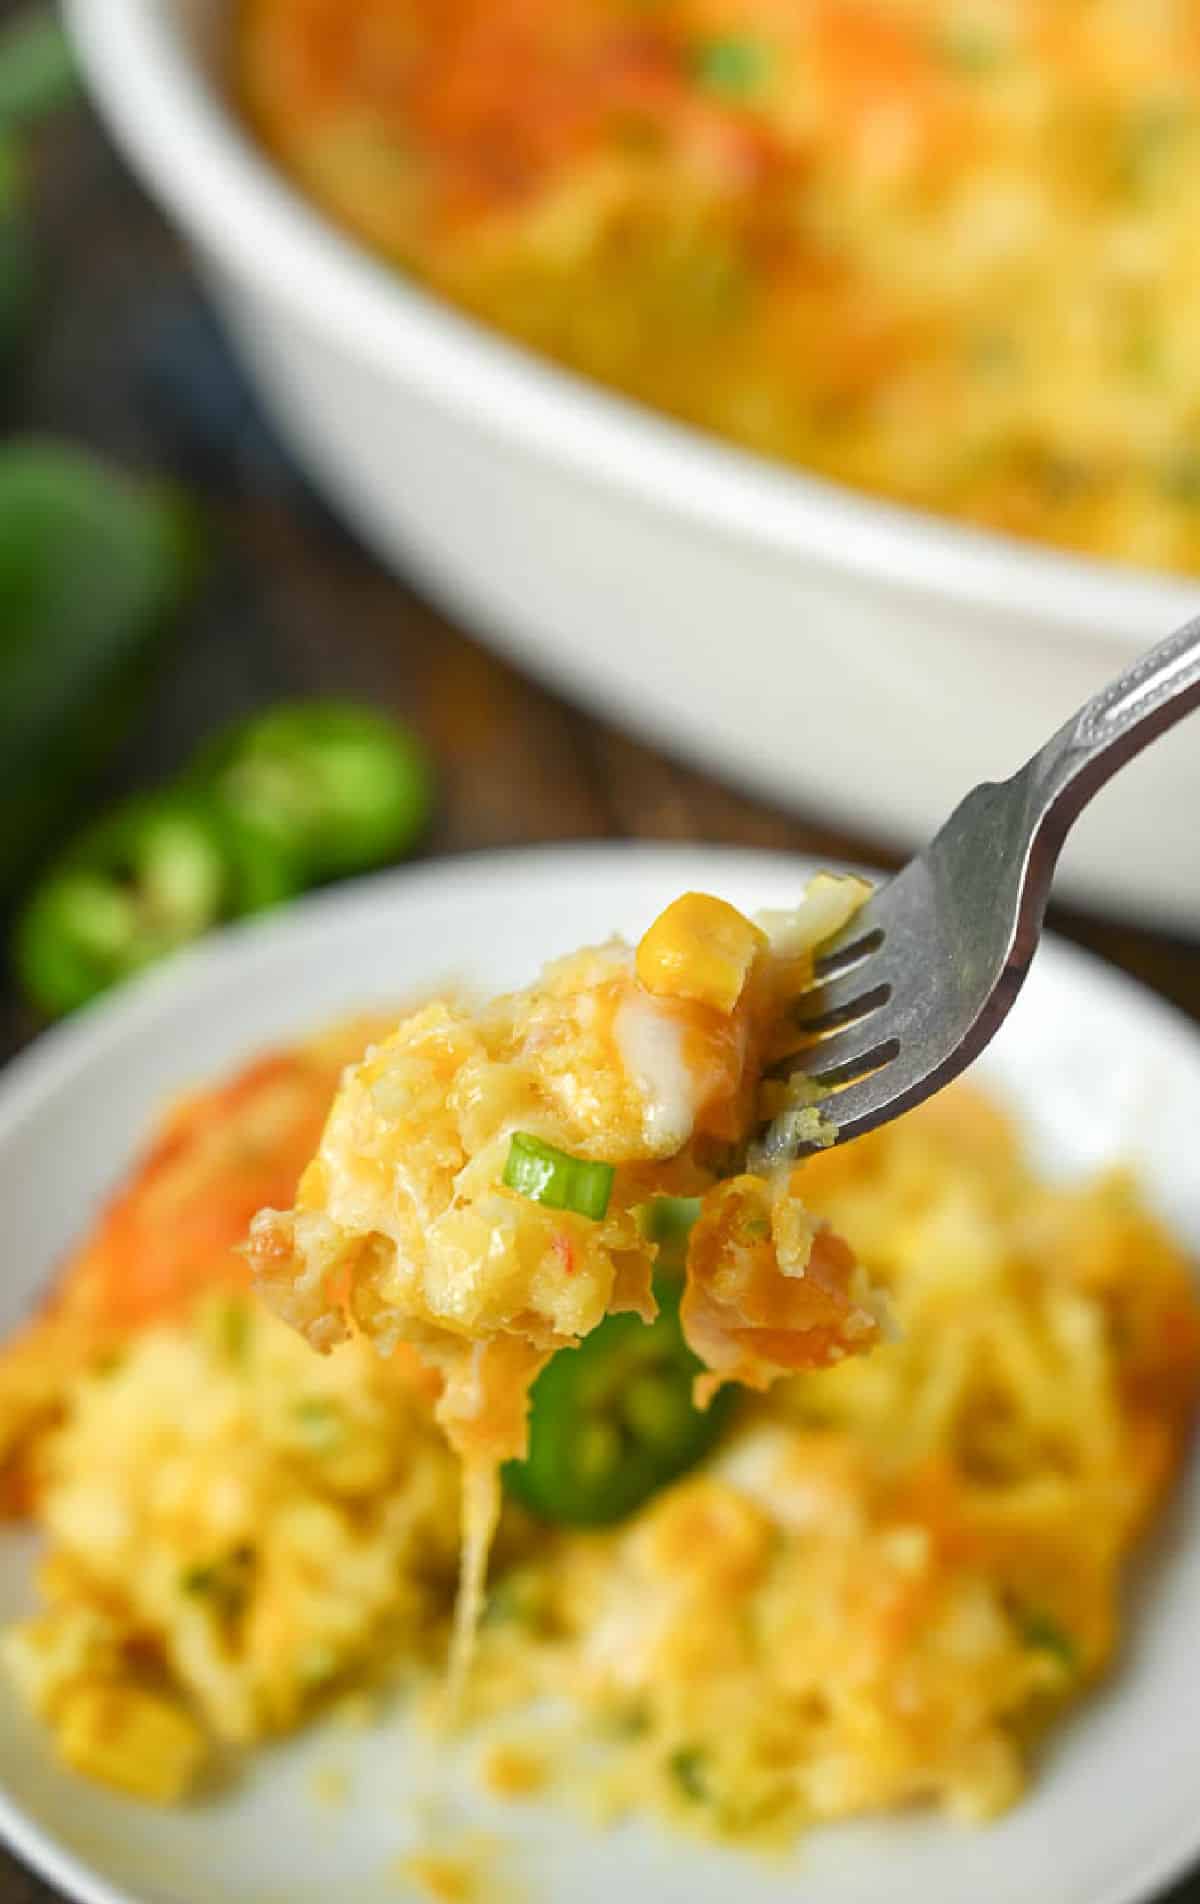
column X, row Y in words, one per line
column 926, row 973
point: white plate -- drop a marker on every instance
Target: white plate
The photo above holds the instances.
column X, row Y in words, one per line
column 1099, row 1069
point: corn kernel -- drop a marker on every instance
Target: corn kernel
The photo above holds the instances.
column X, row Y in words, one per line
column 699, row 948
column 133, row 1740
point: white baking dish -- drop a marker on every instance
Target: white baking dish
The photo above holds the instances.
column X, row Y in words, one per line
column 840, row 653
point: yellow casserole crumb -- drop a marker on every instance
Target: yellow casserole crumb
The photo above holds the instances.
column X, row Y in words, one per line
column 465, row 1873
column 514, row 1771
column 133, row 1740
column 441, row 1875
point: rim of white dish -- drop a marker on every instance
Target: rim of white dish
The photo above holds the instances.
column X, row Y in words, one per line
column 46, row 1067
column 238, row 206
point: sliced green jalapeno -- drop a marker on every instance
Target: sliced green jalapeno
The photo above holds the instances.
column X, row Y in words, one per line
column 613, row 1421
column 147, row 879
column 344, row 787
column 668, row 1221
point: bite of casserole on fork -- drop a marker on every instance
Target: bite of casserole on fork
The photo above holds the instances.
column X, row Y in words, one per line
column 491, row 1182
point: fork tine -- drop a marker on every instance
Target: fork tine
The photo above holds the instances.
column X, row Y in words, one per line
column 849, row 1083
column 844, row 1054
column 825, row 1020
column 842, row 1003
column 842, row 1033
column 861, row 1061
column 842, row 959
column 955, row 930
column 857, row 1105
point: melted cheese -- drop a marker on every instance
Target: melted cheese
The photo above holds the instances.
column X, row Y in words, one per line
column 480, row 1517
column 651, row 1043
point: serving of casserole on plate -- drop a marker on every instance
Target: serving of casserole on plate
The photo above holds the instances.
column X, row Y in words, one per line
column 873, row 1588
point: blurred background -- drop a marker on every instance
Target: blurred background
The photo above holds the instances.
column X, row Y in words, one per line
column 170, row 578
column 184, row 576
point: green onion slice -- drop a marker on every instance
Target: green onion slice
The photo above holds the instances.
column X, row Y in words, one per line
column 732, row 65
column 553, row 1177
column 1045, row 1635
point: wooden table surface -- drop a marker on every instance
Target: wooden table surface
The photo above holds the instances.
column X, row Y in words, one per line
column 124, row 357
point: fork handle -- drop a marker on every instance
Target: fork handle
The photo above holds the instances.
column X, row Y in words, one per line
column 1142, row 702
